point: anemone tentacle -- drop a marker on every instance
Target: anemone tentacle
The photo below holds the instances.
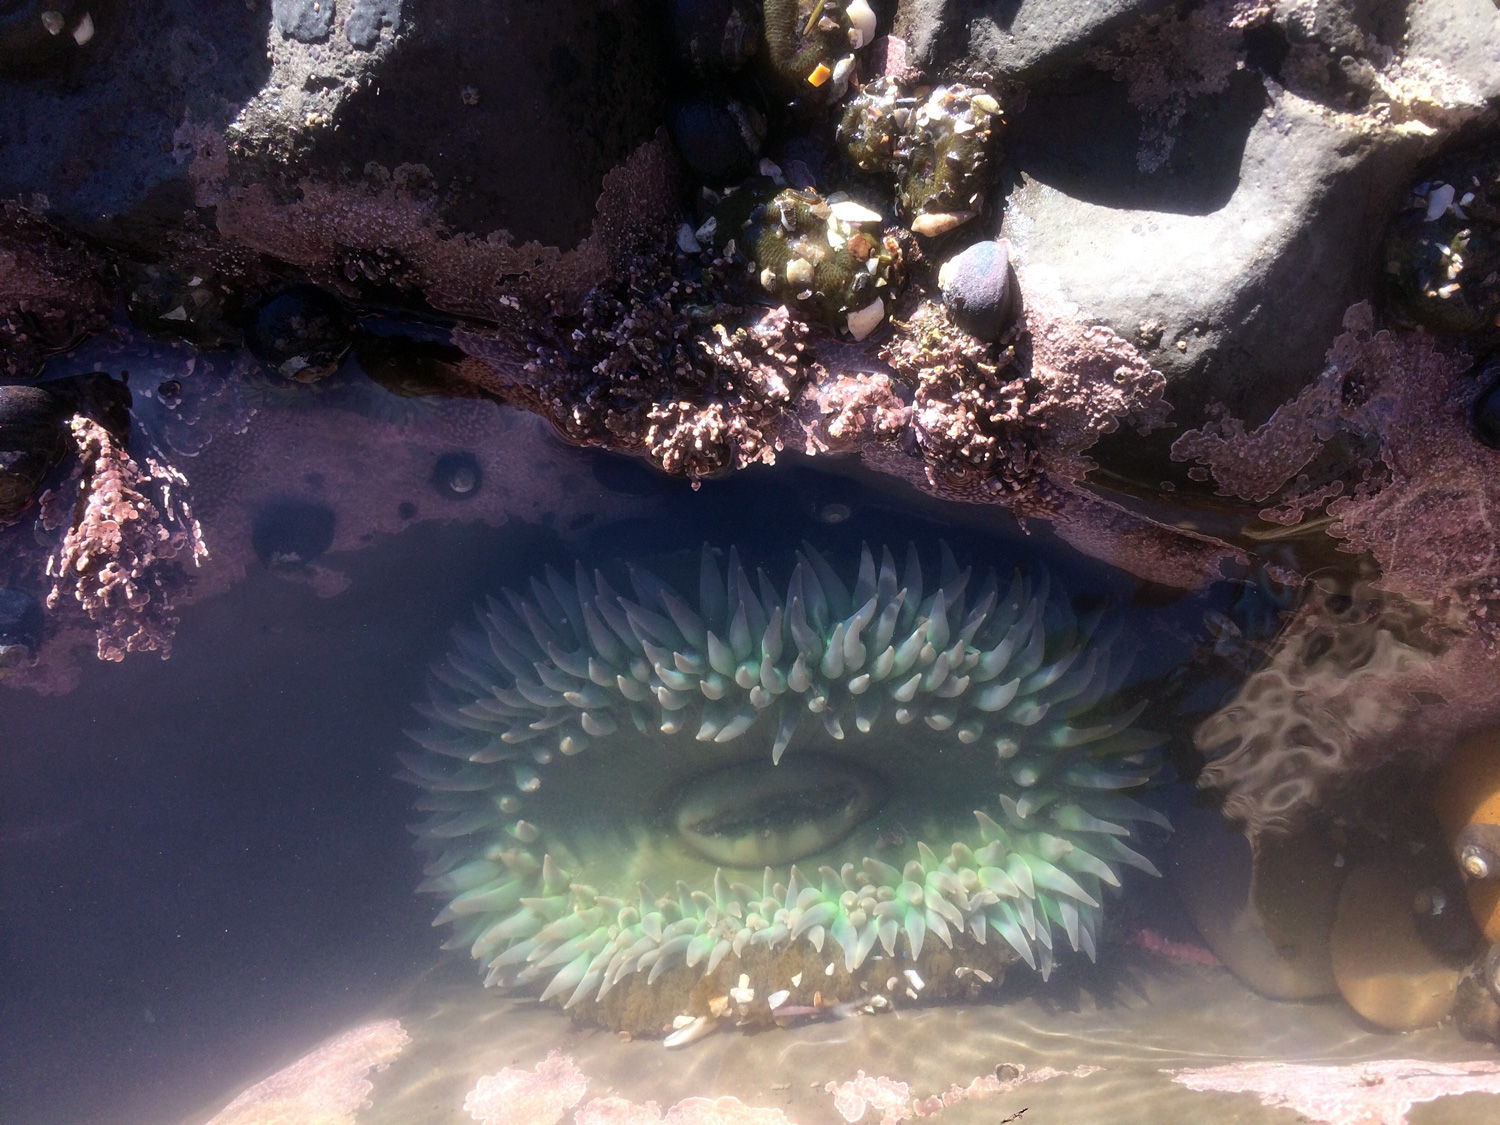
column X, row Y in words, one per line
column 809, row 675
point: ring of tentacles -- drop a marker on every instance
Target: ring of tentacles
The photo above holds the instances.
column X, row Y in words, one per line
column 790, row 794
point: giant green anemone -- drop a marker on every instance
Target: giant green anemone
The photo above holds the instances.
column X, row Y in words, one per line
column 646, row 806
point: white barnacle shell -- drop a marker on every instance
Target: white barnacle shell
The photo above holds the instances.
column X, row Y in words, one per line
column 861, row 23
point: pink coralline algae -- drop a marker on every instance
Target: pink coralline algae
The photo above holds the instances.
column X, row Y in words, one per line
column 540, row 1096
column 1006, row 416
column 722, row 1111
column 390, row 222
column 1424, row 500
column 121, row 559
column 51, row 290
column 690, row 1111
column 1374, row 1093
column 326, row 1087
column 1401, row 674
column 885, row 1096
column 544, row 1094
column 892, row 1100
column 618, row 1111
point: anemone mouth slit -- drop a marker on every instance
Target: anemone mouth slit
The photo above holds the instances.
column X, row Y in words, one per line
column 757, row 814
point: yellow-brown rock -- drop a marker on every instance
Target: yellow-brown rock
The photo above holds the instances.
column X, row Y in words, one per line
column 1384, row 969
column 1468, row 798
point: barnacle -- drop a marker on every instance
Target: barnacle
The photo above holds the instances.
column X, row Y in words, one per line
column 827, row 258
column 615, row 786
column 937, row 149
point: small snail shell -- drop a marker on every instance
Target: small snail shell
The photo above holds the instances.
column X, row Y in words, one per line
column 1478, row 849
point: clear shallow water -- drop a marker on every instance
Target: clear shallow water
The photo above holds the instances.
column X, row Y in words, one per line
column 207, row 870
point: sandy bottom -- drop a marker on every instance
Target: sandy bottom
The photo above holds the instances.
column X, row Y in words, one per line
column 1133, row 1019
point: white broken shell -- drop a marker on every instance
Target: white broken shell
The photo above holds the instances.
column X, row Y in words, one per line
column 864, row 321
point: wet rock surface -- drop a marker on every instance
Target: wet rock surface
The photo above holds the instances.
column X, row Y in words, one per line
column 1191, row 198
column 561, row 94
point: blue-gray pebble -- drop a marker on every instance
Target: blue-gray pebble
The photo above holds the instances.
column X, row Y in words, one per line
column 976, row 286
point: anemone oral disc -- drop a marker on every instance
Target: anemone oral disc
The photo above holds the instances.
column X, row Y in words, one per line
column 759, row 814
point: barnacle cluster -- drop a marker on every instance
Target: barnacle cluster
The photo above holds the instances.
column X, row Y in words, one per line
column 817, row 722
column 971, row 411
column 827, row 258
column 936, row 146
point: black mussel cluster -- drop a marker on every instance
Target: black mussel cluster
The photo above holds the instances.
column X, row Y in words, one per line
column 1442, row 261
column 34, row 433
column 1442, row 255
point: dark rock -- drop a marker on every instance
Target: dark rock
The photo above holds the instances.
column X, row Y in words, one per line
column 110, row 160
column 306, row 21
column 1014, row 38
column 1476, row 1007
column 1245, row 246
column 21, row 617
column 367, row 17
column 32, row 441
column 458, row 476
column 559, row 95
column 291, row 533
column 38, row 34
column 178, row 300
column 713, row 37
column 201, row 95
column 718, row 138
column 301, row 333
column 977, row 287
column 1484, row 419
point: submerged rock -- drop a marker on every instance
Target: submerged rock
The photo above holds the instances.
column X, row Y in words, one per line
column 21, row 620
column 301, row 333
column 1468, row 808
column 291, row 533
column 1484, row 417
column 1476, row 1005
column 1384, row 969
column 32, row 441
column 1265, row 914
